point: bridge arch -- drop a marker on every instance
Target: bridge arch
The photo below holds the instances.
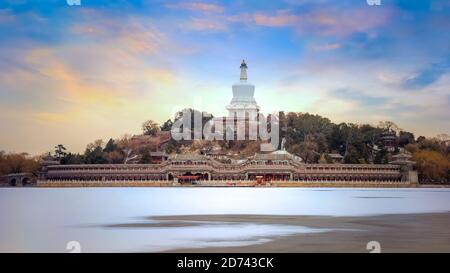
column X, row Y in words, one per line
column 13, row 182
column 20, row 179
column 26, row 181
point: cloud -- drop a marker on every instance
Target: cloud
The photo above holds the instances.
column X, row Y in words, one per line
column 343, row 22
column 103, row 68
column 134, row 34
column 319, row 21
column 54, row 117
column 102, row 77
column 72, row 82
column 94, row 90
column 428, row 75
column 357, row 96
column 206, row 25
column 197, row 7
column 327, row 47
column 282, row 18
column 315, row 20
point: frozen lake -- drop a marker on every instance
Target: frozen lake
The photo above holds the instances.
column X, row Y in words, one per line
column 45, row 220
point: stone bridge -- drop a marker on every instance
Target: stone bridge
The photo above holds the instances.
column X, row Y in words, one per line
column 19, row 179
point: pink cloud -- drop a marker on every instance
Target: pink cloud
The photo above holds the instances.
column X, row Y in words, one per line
column 334, row 22
column 327, row 47
column 206, row 25
column 343, row 22
column 197, row 6
column 280, row 19
column 130, row 34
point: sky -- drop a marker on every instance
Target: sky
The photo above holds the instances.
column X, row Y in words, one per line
column 73, row 74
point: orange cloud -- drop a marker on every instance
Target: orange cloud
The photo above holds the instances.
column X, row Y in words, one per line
column 108, row 93
column 54, row 117
column 70, row 81
column 164, row 77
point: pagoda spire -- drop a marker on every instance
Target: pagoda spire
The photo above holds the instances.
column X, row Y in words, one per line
column 243, row 71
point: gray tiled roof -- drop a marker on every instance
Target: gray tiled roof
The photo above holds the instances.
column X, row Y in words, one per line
column 187, row 157
column 272, row 156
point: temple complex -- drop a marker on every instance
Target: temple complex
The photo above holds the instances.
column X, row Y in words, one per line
column 217, row 169
column 271, row 167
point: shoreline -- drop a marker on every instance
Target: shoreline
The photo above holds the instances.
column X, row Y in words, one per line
column 426, row 232
column 231, row 184
column 228, row 184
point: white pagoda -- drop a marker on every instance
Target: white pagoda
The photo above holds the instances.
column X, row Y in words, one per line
column 243, row 105
column 243, row 110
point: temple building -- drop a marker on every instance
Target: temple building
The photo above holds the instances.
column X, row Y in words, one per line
column 389, row 140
